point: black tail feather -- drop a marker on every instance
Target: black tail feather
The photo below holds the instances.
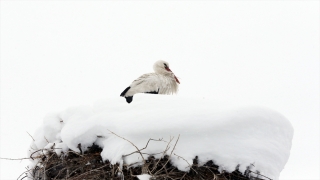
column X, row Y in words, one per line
column 129, row 99
column 125, row 91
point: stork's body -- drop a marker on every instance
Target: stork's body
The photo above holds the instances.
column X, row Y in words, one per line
column 162, row 81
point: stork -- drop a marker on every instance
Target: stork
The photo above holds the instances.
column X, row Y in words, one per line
column 162, row 81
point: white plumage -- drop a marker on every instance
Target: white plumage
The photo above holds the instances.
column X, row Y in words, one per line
column 162, row 81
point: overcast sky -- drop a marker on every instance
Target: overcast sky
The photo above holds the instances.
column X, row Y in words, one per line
column 58, row 54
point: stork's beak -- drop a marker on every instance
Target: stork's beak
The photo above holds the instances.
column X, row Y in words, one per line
column 177, row 79
column 168, row 69
column 174, row 75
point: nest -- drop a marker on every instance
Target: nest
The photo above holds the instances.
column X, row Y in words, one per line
column 89, row 165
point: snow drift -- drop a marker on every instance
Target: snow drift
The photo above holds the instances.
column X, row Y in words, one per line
column 253, row 137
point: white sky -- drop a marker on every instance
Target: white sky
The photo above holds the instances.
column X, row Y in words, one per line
column 57, row 54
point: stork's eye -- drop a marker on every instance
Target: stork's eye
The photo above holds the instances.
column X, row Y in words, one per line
column 165, row 65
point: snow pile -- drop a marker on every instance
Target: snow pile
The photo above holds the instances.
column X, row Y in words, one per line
column 258, row 138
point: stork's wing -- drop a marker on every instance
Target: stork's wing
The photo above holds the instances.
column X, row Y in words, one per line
column 147, row 83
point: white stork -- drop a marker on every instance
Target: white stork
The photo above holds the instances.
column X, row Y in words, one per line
column 162, row 81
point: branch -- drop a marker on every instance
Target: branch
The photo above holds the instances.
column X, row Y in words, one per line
column 41, row 150
column 14, row 159
column 169, row 156
column 143, row 148
column 89, row 171
column 75, row 153
column 144, row 161
column 46, row 139
column 23, row 173
column 260, row 174
column 30, row 136
column 164, row 152
column 185, row 161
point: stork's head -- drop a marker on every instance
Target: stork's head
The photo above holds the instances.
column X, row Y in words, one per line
column 162, row 67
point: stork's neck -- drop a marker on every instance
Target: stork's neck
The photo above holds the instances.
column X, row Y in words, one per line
column 161, row 71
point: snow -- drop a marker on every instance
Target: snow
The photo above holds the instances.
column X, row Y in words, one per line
column 253, row 137
column 144, row 177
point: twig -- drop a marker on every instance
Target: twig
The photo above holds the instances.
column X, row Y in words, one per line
column 74, row 171
column 208, row 169
column 31, row 148
column 75, row 153
column 184, row 175
column 34, row 153
column 24, row 177
column 23, row 173
column 31, row 136
column 169, row 156
column 260, row 174
column 143, row 148
column 79, row 147
column 186, row 161
column 14, row 159
column 59, row 173
column 164, row 152
column 46, row 139
column 132, row 174
column 54, row 166
column 153, row 154
column 41, row 150
column 144, row 161
column 90, row 171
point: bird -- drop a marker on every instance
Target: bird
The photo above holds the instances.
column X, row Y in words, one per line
column 162, row 81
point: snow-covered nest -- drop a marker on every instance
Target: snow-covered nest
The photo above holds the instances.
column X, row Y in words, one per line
column 185, row 128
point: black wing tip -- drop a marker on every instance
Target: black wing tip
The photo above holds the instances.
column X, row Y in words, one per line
column 125, row 91
column 129, row 99
column 152, row 92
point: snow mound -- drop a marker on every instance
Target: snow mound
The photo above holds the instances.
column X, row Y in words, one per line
column 232, row 137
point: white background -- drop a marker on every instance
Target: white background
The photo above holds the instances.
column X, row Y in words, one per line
column 57, row 54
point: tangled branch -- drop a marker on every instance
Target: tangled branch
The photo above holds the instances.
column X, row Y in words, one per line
column 89, row 165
